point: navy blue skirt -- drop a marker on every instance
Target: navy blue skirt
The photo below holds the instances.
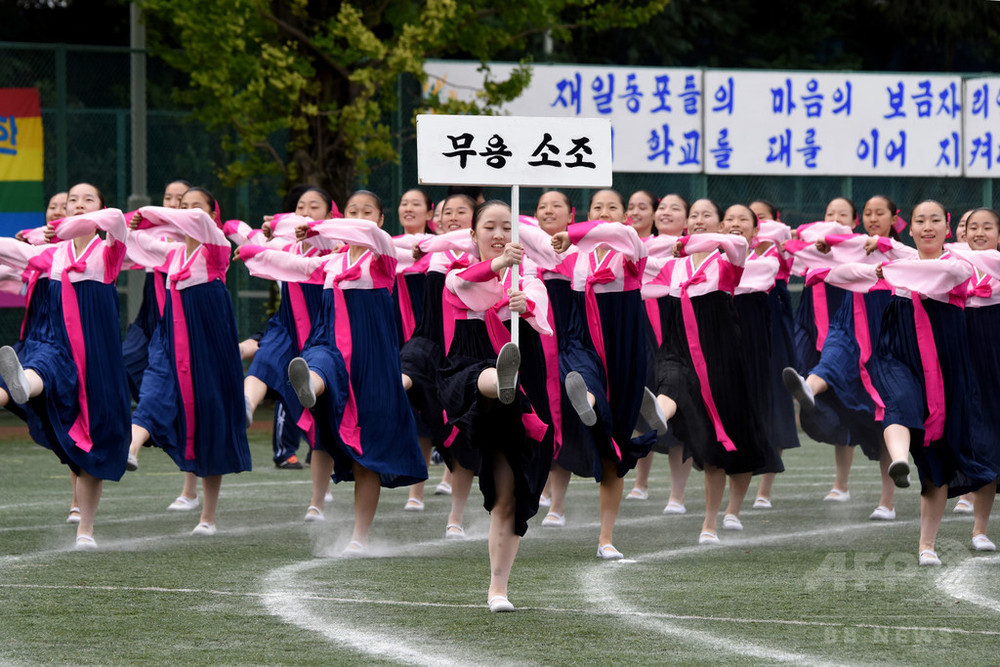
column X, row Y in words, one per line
column 415, row 284
column 46, row 350
column 806, row 354
column 135, row 347
column 220, row 436
column 388, row 434
column 959, row 459
column 847, row 405
column 982, row 325
column 618, row 393
column 279, row 345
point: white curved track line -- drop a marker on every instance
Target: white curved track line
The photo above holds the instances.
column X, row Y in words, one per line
column 285, row 600
column 963, row 581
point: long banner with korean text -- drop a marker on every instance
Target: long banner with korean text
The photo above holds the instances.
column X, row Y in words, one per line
column 671, row 120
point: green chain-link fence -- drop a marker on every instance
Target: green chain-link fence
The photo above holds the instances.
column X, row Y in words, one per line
column 85, row 111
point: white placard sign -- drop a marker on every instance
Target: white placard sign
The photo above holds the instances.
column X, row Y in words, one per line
column 513, row 150
column 656, row 113
column 982, row 127
column 804, row 123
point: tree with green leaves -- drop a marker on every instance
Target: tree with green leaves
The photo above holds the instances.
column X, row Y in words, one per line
column 305, row 88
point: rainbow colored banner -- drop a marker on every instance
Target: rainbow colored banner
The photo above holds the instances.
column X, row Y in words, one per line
column 22, row 196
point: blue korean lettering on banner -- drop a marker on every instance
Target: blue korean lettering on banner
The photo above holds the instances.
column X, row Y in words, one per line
column 981, row 101
column 842, row 98
column 660, row 145
column 894, row 149
column 949, row 101
column 690, row 95
column 982, row 149
column 724, row 97
column 632, row 94
column 723, row 149
column 661, row 93
column 896, row 102
column 603, row 93
column 568, row 93
column 810, row 149
column 780, row 148
column 781, row 99
column 813, row 100
column 924, row 99
column 689, row 150
column 950, row 146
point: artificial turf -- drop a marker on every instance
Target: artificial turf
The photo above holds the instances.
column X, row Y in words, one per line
column 805, row 582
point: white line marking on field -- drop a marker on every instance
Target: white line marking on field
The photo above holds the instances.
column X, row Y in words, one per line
column 964, row 581
column 448, row 605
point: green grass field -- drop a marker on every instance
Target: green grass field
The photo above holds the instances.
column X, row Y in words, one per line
column 806, row 582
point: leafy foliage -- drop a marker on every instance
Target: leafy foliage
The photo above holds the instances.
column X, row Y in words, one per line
column 320, row 76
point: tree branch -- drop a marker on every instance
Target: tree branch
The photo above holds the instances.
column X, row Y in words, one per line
column 308, row 43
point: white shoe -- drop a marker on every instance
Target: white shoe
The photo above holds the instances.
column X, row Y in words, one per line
column 544, row 501
column 508, row 363
column 203, row 528
column 13, row 375
column 499, row 603
column 762, row 504
column 608, row 552
column 328, row 497
column 354, row 550
column 85, row 543
column 928, row 557
column 882, row 513
column 637, row 494
column 442, row 489
column 74, row 515
column 132, row 462
column 298, row 376
column 837, row 496
column 798, row 388
column 651, row 412
column 708, row 538
column 413, row 505
column 963, row 507
column 453, row 531
column 674, row 508
column 183, row 504
column 576, row 390
column 731, row 522
column 982, row 543
column 553, row 520
column 314, row 515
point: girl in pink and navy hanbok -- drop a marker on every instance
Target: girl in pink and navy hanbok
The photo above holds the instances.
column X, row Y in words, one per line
column 604, row 377
column 479, row 387
column 423, row 352
column 285, row 338
column 69, row 375
column 348, row 376
column 191, row 403
column 839, row 392
column 982, row 321
column 925, row 377
column 702, row 372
